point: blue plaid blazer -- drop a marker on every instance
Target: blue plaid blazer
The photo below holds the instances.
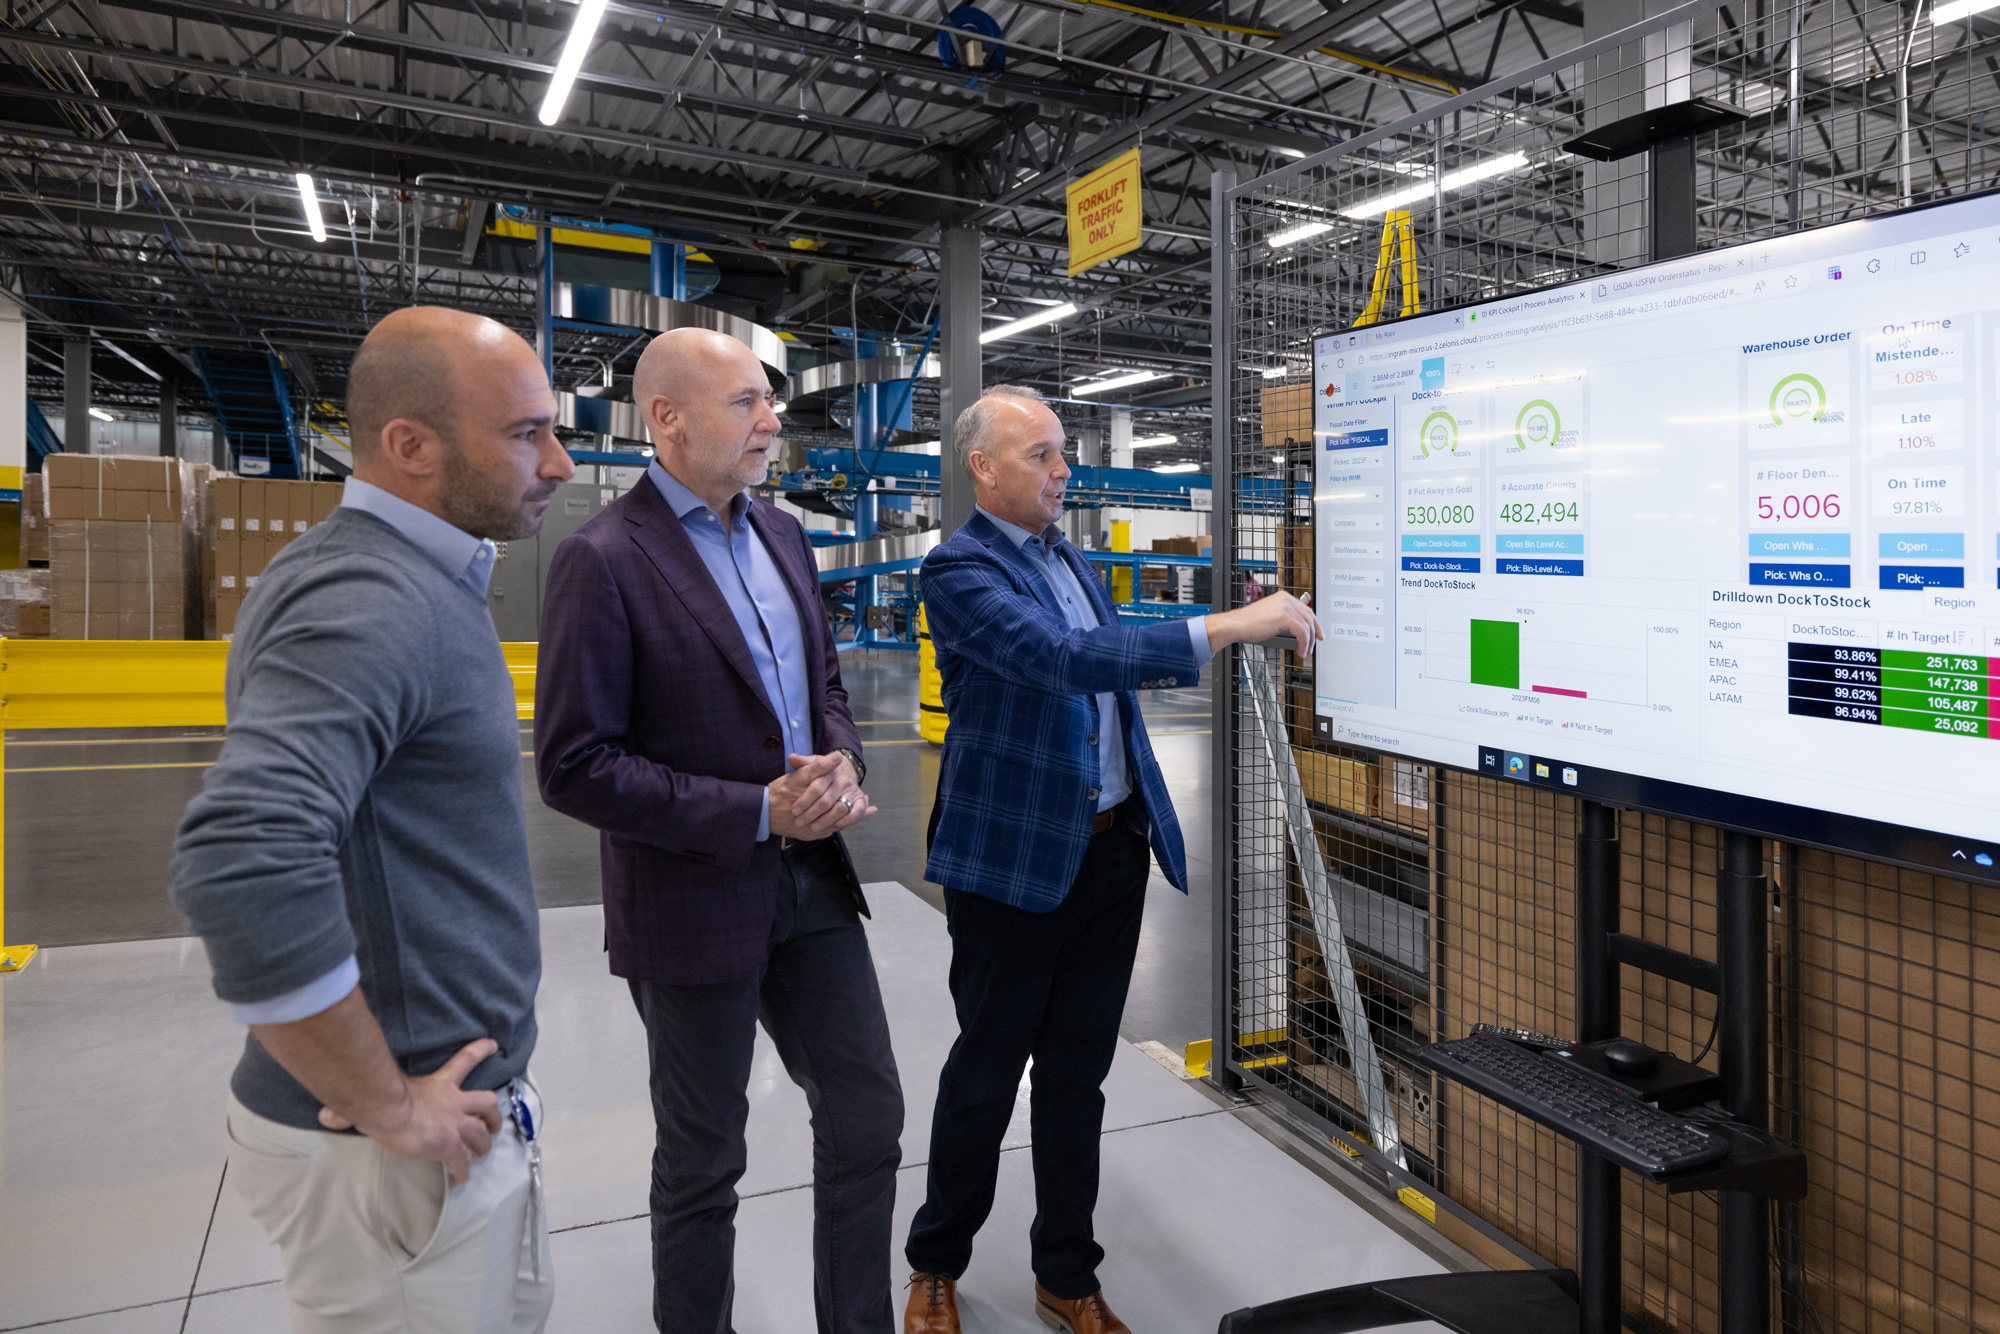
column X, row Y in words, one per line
column 1017, row 790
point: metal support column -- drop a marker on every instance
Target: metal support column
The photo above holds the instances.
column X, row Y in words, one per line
column 1599, row 1222
column 76, row 395
column 963, row 381
column 670, row 270
column 545, row 299
column 1742, row 935
column 1222, row 677
column 170, row 428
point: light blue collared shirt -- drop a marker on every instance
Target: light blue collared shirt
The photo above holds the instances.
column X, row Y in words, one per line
column 458, row 553
column 1114, row 781
column 758, row 597
column 466, row 558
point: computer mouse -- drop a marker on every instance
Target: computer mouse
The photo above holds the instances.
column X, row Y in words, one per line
column 1626, row 1057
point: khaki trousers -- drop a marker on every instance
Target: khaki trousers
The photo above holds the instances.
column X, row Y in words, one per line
column 377, row 1244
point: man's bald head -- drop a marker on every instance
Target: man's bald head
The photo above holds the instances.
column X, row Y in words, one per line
column 413, row 365
column 683, row 363
column 708, row 406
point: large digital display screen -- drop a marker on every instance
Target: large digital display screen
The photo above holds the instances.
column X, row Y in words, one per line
column 1719, row 537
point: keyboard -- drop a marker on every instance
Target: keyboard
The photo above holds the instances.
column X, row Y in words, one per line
column 1598, row 1113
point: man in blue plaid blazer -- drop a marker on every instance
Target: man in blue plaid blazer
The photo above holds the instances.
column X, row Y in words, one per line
column 1050, row 808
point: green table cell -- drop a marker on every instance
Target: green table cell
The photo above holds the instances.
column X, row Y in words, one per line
column 1931, row 722
column 1941, row 683
column 1957, row 664
column 1941, row 703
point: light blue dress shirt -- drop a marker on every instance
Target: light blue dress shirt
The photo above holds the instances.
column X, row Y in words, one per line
column 759, row 599
column 1114, row 780
column 467, row 558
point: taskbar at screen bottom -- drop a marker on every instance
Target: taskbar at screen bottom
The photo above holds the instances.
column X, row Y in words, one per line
column 1922, row 849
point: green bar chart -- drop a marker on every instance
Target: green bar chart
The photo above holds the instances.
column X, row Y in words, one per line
column 1496, row 654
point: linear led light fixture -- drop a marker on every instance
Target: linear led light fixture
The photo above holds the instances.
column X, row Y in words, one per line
column 1451, row 180
column 1178, row 467
column 1053, row 315
column 102, row 415
column 1123, row 381
column 1149, row 441
column 1960, row 9
column 570, row 63
column 1311, row 229
column 1275, row 372
column 309, row 201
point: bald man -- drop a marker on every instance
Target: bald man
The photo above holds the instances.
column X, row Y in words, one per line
column 689, row 705
column 357, row 865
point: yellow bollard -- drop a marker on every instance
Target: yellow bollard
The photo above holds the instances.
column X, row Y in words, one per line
column 931, row 720
column 1123, row 577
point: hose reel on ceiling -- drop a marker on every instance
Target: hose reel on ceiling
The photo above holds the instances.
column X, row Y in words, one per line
column 972, row 42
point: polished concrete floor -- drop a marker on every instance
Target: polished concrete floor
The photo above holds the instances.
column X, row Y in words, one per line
column 116, row 1216
column 90, row 819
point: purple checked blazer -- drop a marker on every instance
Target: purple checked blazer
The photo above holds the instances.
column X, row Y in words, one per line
column 651, row 725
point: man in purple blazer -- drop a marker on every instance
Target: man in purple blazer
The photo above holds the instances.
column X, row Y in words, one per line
column 689, row 705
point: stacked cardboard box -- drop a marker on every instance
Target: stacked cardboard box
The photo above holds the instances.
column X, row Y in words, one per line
column 121, row 547
column 248, row 521
column 24, row 604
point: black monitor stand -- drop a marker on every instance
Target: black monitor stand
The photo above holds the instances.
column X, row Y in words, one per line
column 1588, row 1300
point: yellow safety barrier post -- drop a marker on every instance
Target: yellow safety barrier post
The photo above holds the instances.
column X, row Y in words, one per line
column 48, row 683
column 1123, row 577
column 931, row 719
column 1399, row 251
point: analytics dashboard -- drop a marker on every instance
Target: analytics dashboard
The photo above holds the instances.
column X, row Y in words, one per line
column 1725, row 527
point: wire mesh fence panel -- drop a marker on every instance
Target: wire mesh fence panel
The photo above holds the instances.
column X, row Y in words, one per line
column 1453, row 893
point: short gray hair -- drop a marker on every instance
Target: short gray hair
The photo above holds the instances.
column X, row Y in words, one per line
column 969, row 434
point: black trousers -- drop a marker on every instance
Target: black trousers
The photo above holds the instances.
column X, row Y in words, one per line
column 1050, row 986
column 817, row 997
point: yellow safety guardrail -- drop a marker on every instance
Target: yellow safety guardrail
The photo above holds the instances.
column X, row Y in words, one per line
column 93, row 683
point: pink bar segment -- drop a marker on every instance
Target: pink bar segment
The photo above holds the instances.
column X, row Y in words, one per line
column 1558, row 690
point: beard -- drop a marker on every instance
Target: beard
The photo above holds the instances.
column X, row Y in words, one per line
column 487, row 508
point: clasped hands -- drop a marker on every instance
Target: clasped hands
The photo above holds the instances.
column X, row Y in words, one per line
column 820, row 796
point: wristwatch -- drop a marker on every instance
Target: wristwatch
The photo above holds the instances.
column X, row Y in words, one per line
column 860, row 769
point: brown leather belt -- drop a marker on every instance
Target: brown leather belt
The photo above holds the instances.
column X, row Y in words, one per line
column 1104, row 820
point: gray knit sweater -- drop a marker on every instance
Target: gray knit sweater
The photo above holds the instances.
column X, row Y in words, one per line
column 367, row 802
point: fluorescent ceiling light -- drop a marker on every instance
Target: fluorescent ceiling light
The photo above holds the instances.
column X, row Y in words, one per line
column 1960, row 9
column 588, row 15
column 1052, row 315
column 1300, row 233
column 1043, row 301
column 309, row 201
column 1287, row 152
column 1148, row 441
column 1275, row 372
column 102, row 415
column 1121, row 381
column 1178, row 467
column 129, row 357
column 1452, row 180
column 779, row 406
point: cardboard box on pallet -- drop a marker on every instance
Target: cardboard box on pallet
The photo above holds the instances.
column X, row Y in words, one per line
column 122, row 547
column 24, row 604
column 251, row 520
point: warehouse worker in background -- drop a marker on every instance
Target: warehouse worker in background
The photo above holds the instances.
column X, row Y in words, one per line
column 1049, row 810
column 357, row 861
column 689, row 705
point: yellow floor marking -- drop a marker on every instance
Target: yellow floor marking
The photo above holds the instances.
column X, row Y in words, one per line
column 125, row 741
column 99, row 768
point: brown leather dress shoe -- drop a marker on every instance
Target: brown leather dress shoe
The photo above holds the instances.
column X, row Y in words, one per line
column 1088, row 1316
column 933, row 1305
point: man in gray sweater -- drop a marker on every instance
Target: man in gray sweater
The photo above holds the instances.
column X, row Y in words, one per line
column 357, row 861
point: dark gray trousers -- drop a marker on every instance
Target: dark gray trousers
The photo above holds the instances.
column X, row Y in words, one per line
column 817, row 997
